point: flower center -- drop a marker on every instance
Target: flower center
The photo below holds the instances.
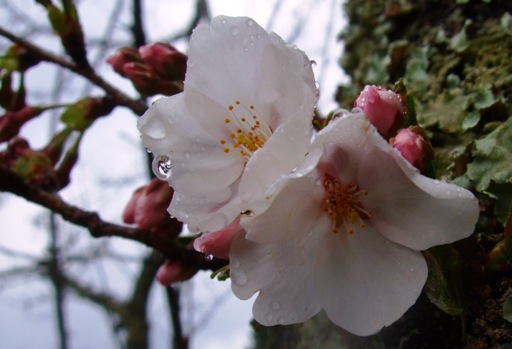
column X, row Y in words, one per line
column 247, row 132
column 344, row 206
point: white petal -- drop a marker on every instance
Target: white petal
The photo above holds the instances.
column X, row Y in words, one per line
column 205, row 213
column 295, row 207
column 236, row 64
column 169, row 129
column 413, row 210
column 282, row 273
column 365, row 282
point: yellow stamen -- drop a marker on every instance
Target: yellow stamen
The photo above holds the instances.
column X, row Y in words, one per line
column 343, row 205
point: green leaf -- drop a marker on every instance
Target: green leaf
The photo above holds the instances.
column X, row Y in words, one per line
column 75, row 116
column 507, row 309
column 447, row 111
column 483, row 96
column 443, row 284
column 417, row 77
column 502, row 193
column 492, row 158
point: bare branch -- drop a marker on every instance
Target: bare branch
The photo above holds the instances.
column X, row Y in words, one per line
column 137, row 106
column 11, row 182
column 139, row 36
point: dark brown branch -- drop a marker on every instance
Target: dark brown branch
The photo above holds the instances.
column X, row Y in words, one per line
column 135, row 318
column 56, row 279
column 137, row 106
column 179, row 340
column 139, row 36
column 11, row 182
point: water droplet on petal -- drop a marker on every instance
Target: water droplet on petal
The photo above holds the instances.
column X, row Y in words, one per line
column 187, row 155
column 239, row 278
column 161, row 166
column 313, row 63
column 208, row 257
column 281, row 320
column 269, row 317
column 436, row 182
column 250, row 22
column 234, row 263
column 223, row 21
column 411, row 270
column 275, row 306
column 234, row 30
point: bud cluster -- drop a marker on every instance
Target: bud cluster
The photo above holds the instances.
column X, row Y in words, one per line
column 387, row 111
column 153, row 69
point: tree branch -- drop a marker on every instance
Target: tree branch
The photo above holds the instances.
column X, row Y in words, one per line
column 139, row 36
column 12, row 183
column 137, row 106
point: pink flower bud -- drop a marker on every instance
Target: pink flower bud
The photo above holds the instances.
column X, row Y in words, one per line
column 165, row 61
column 218, row 243
column 414, row 146
column 122, row 56
column 146, row 82
column 148, row 206
column 172, row 272
column 384, row 108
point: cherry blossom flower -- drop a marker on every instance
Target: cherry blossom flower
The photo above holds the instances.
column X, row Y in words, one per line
column 343, row 233
column 242, row 122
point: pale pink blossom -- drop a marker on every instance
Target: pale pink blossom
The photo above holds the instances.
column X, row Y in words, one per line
column 384, row 108
column 242, row 122
column 344, row 231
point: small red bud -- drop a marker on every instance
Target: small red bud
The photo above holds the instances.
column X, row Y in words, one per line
column 384, row 108
column 148, row 206
column 414, row 146
column 122, row 56
column 167, row 62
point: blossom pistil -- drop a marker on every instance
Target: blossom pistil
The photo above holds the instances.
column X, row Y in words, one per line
column 344, row 206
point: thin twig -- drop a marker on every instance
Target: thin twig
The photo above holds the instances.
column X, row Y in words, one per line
column 137, row 106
